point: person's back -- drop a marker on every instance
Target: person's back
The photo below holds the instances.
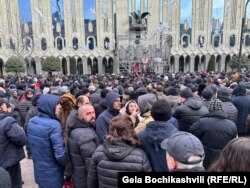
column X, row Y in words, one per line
column 155, row 132
column 118, row 153
column 46, row 143
column 214, row 130
column 191, row 110
column 242, row 103
column 12, row 140
column 5, row 181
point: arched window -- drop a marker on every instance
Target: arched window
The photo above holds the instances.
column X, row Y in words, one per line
column 43, row 44
column 185, row 41
column 91, row 43
column 106, row 43
column 216, row 41
column 232, row 40
column 201, row 41
column 75, row 43
column 247, row 40
column 59, row 43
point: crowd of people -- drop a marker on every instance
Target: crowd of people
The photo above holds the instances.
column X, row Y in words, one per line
column 81, row 130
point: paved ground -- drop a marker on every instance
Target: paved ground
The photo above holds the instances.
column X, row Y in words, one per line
column 28, row 173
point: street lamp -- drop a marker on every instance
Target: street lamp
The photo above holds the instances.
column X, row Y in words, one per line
column 241, row 34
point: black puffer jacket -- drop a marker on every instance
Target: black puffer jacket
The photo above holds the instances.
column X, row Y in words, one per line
column 82, row 142
column 113, row 157
column 189, row 112
column 12, row 140
column 215, row 131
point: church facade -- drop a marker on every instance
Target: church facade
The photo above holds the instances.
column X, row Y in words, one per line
column 112, row 36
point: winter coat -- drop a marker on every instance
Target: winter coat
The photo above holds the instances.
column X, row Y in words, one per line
column 242, row 103
column 103, row 120
column 151, row 138
column 46, row 144
column 24, row 107
column 12, row 140
column 215, row 131
column 82, row 142
column 189, row 112
column 230, row 110
column 113, row 157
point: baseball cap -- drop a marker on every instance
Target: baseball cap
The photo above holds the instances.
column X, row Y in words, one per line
column 182, row 145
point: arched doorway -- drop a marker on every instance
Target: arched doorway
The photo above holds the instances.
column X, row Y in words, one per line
column 211, row 64
column 64, row 66
column 1, row 67
column 228, row 59
column 79, row 66
column 94, row 69
column 72, row 65
column 218, row 63
column 181, row 64
column 196, row 63
column 33, row 66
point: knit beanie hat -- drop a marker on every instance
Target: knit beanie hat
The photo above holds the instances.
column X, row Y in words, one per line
column 215, row 105
column 161, row 111
column 5, row 181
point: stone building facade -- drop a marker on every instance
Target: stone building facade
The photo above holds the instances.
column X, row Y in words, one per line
column 124, row 35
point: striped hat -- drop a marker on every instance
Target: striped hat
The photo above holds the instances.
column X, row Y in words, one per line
column 215, row 105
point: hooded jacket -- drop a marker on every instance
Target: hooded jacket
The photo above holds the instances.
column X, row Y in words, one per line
column 12, row 140
column 46, row 143
column 82, row 142
column 113, row 157
column 103, row 120
column 151, row 138
column 189, row 112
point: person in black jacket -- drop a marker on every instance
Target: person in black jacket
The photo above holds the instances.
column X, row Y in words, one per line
column 12, row 140
column 214, row 130
column 82, row 142
column 119, row 152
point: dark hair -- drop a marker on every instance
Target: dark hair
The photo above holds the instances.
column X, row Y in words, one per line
column 104, row 93
column 207, row 93
column 234, row 157
column 121, row 128
column 127, row 106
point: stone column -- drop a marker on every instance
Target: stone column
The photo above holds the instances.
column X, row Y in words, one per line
column 192, row 62
column 222, row 62
column 85, row 65
column 100, row 66
column 38, row 65
column 176, row 63
column 68, row 65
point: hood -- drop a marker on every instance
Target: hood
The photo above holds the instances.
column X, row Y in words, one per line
column 145, row 102
column 110, row 99
column 3, row 115
column 155, row 134
column 239, row 90
column 46, row 105
column 78, row 123
column 117, row 150
column 194, row 102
